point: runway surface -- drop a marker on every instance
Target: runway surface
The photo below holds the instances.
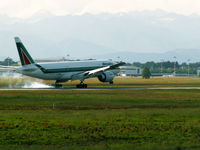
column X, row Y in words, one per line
column 103, row 88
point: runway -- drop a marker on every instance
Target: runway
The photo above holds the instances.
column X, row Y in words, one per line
column 105, row 88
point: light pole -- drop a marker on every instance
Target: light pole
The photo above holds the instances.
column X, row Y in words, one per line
column 161, row 69
column 188, row 67
column 174, row 65
column 68, row 57
column 119, row 59
column 8, row 61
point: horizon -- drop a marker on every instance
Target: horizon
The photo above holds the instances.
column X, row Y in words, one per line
column 170, row 59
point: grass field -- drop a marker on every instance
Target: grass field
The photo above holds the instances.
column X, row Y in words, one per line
column 140, row 82
column 102, row 119
column 9, row 82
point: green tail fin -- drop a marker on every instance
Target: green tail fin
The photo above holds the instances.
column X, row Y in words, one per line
column 25, row 57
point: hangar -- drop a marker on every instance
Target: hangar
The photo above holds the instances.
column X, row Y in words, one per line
column 130, row 70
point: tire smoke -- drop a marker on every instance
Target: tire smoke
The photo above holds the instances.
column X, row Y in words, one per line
column 14, row 80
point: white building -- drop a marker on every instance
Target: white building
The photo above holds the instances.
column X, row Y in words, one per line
column 129, row 70
column 198, row 71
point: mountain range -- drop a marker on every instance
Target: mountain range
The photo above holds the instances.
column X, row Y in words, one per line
column 134, row 36
column 181, row 55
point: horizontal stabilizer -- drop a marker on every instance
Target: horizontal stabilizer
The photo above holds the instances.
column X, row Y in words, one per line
column 8, row 68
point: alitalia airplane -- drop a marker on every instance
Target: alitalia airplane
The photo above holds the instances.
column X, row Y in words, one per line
column 105, row 71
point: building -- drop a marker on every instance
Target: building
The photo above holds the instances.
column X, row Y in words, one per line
column 198, row 71
column 130, row 70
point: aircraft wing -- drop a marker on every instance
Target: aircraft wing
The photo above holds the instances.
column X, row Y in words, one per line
column 8, row 68
column 89, row 73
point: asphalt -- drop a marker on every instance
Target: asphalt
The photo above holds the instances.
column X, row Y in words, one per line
column 103, row 88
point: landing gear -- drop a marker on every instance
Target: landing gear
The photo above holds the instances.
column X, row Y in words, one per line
column 81, row 85
column 111, row 82
column 57, row 85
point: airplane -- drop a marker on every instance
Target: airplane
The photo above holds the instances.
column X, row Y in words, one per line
column 64, row 71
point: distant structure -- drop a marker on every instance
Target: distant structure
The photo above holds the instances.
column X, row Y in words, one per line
column 48, row 60
column 5, row 72
column 55, row 60
column 198, row 71
column 130, row 70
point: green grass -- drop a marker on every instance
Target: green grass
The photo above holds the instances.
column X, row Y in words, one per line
column 140, row 82
column 9, row 82
column 98, row 99
column 100, row 119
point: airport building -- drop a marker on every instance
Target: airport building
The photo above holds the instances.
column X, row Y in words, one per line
column 130, row 70
column 198, row 71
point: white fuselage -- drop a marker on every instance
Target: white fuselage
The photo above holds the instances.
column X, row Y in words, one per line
column 61, row 71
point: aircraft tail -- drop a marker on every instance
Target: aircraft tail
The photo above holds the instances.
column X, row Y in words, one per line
column 24, row 56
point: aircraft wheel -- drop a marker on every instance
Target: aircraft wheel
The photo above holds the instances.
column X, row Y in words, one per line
column 57, row 86
column 81, row 85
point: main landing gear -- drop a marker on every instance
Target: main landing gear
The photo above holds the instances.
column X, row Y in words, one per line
column 111, row 82
column 57, row 85
column 81, row 85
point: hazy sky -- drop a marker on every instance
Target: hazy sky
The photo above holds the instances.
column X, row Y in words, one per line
column 28, row 8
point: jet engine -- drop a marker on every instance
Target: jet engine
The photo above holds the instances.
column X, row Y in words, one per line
column 106, row 77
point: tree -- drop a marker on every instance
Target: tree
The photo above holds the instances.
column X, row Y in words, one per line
column 8, row 61
column 146, row 74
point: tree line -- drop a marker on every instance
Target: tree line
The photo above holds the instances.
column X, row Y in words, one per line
column 169, row 67
column 8, row 62
column 154, row 67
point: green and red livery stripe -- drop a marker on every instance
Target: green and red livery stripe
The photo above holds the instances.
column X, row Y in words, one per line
column 25, row 57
